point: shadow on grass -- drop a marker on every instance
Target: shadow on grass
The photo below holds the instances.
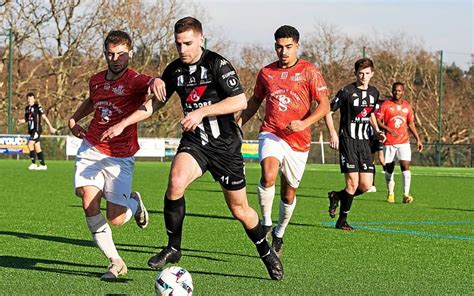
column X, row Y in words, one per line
column 46, row 265
column 454, row 209
column 59, row 239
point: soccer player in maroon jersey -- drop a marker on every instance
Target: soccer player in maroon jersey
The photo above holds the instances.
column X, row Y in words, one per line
column 289, row 86
column 33, row 115
column 104, row 168
column 396, row 117
column 357, row 101
column 210, row 93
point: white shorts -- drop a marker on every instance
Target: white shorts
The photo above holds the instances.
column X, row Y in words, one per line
column 397, row 152
column 112, row 175
column 292, row 163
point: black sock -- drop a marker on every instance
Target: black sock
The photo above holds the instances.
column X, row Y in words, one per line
column 358, row 192
column 346, row 203
column 257, row 235
column 174, row 211
column 33, row 156
column 41, row 157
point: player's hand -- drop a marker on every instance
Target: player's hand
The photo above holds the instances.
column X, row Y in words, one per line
column 419, row 146
column 52, row 130
column 334, row 143
column 191, row 120
column 76, row 129
column 392, row 132
column 296, row 126
column 112, row 132
column 159, row 89
column 381, row 136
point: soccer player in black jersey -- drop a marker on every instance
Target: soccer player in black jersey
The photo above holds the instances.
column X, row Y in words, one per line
column 33, row 115
column 357, row 101
column 210, row 94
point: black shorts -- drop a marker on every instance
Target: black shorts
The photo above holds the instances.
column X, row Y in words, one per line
column 355, row 156
column 226, row 167
column 375, row 145
column 34, row 136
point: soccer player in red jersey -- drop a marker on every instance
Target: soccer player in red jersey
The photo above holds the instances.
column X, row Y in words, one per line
column 357, row 103
column 210, row 93
column 396, row 118
column 289, row 86
column 104, row 168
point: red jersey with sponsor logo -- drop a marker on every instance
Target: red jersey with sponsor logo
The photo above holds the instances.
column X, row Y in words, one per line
column 288, row 93
column 396, row 117
column 113, row 101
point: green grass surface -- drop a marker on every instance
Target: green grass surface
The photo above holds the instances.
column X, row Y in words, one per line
column 422, row 248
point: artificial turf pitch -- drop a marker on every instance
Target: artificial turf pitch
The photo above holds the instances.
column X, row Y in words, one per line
column 420, row 248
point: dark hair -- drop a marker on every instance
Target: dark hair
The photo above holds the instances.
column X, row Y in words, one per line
column 398, row 83
column 363, row 63
column 118, row 37
column 287, row 32
column 186, row 24
column 30, row 94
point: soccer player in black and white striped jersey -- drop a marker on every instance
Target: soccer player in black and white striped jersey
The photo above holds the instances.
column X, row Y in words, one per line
column 357, row 102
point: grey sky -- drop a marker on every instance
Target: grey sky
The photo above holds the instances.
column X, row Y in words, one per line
column 446, row 25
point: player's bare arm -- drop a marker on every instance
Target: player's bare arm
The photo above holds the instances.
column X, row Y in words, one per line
column 378, row 133
column 321, row 110
column 51, row 128
column 142, row 113
column 382, row 126
column 84, row 109
column 159, row 89
column 334, row 142
column 419, row 145
column 252, row 107
column 227, row 106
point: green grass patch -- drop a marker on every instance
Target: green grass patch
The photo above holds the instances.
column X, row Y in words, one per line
column 422, row 248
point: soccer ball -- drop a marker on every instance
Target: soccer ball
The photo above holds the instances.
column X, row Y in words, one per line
column 174, row 281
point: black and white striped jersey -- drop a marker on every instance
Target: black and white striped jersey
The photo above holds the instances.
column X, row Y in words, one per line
column 209, row 81
column 356, row 106
column 33, row 115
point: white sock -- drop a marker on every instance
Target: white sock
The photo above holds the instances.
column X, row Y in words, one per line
column 406, row 182
column 128, row 215
column 389, row 179
column 286, row 211
column 102, row 235
column 265, row 198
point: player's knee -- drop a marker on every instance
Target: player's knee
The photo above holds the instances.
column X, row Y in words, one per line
column 176, row 186
column 238, row 212
column 389, row 167
column 268, row 179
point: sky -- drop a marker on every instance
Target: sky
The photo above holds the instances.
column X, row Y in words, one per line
column 436, row 25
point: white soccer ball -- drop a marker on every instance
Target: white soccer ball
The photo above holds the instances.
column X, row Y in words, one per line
column 174, row 281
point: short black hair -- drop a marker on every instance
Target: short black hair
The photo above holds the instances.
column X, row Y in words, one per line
column 398, row 83
column 30, row 94
column 287, row 32
column 363, row 63
column 186, row 24
column 118, row 37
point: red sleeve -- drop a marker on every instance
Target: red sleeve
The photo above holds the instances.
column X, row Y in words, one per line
column 318, row 87
column 141, row 82
column 260, row 91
